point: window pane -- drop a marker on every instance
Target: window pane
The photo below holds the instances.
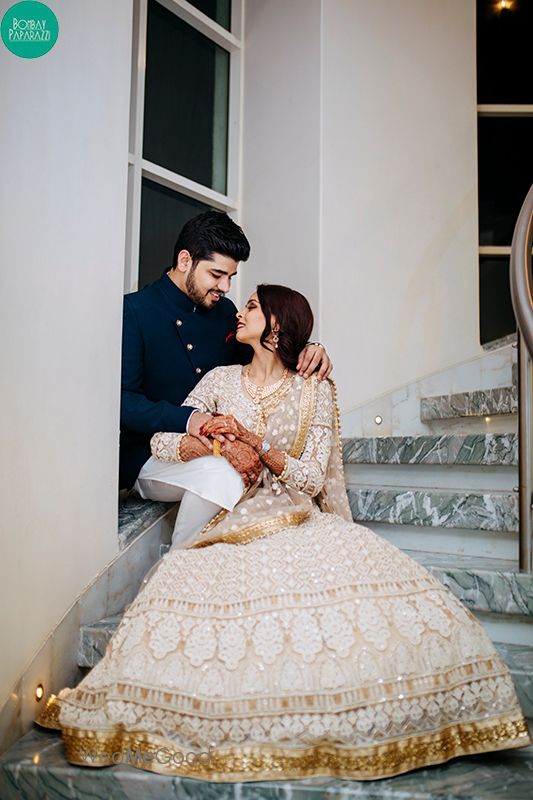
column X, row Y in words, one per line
column 504, row 38
column 505, row 163
column 496, row 316
column 219, row 10
column 186, row 100
column 163, row 214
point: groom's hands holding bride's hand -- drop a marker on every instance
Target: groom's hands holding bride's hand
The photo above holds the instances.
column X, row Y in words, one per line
column 226, row 425
column 194, row 428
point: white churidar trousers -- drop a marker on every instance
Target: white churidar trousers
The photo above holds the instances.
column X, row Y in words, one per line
column 204, row 486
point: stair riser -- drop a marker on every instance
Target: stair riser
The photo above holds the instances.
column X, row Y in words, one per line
column 503, row 628
column 504, row 424
column 432, row 476
column 454, row 541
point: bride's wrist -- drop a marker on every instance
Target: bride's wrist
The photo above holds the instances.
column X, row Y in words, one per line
column 254, row 441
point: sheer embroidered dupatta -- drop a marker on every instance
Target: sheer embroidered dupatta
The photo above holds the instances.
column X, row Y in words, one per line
column 333, row 498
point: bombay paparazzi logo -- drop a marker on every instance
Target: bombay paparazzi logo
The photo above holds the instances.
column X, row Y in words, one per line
column 29, row 29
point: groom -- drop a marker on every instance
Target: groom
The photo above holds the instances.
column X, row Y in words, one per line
column 177, row 329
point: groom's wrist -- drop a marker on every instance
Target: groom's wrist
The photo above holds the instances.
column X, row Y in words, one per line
column 191, row 415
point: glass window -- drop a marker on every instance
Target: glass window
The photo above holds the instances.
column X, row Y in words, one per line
column 219, row 10
column 496, row 318
column 504, row 41
column 505, row 174
column 186, row 100
column 163, row 214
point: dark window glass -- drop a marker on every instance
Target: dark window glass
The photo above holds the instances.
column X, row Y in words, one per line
column 219, row 10
column 163, row 214
column 504, row 42
column 186, row 100
column 496, row 316
column 505, row 165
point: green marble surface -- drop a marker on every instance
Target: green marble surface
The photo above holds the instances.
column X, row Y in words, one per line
column 487, row 511
column 504, row 775
column 491, row 449
column 479, row 403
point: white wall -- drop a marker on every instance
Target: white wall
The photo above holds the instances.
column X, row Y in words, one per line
column 63, row 146
column 281, row 144
column 379, row 228
column 399, row 226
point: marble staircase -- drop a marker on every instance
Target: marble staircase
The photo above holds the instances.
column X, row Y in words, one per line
column 447, row 497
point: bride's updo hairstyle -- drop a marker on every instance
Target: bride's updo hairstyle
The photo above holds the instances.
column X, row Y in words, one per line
column 293, row 315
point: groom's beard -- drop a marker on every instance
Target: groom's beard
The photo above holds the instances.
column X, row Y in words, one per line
column 197, row 295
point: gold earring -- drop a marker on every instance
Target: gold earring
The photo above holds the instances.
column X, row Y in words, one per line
column 275, row 339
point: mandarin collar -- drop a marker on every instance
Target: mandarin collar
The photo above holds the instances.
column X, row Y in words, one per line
column 174, row 293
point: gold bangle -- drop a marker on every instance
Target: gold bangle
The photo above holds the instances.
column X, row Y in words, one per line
column 217, row 448
column 178, row 454
column 283, row 474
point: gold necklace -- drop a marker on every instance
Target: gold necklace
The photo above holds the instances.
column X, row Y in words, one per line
column 260, row 393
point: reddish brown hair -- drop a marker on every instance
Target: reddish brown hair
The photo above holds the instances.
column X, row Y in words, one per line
column 293, row 315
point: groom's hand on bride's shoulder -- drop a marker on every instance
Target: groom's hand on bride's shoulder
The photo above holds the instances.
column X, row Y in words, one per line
column 244, row 459
column 314, row 358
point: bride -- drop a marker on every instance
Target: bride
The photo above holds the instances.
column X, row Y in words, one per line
column 282, row 640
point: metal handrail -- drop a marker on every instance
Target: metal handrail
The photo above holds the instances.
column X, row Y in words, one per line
column 522, row 297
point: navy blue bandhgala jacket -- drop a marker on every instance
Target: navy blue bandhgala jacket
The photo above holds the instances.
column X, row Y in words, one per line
column 168, row 344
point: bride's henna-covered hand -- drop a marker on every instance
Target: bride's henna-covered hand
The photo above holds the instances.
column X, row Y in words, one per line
column 274, row 459
column 190, row 447
column 244, row 459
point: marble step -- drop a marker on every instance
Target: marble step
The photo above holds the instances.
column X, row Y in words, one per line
column 492, row 449
column 487, row 511
column 483, row 584
column 135, row 515
column 479, row 403
column 34, row 768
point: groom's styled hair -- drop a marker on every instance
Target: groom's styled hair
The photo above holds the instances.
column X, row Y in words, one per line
column 293, row 315
column 212, row 232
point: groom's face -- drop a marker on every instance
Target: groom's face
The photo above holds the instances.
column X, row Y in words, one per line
column 208, row 281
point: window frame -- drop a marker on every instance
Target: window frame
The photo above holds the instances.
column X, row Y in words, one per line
column 139, row 167
column 500, row 110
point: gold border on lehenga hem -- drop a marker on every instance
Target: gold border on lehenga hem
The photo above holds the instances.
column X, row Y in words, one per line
column 267, row 762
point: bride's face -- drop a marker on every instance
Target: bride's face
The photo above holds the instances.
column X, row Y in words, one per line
column 251, row 321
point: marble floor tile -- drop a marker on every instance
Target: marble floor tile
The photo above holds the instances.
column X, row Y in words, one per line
column 35, row 769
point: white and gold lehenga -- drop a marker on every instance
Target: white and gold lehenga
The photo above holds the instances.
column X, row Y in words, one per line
column 288, row 641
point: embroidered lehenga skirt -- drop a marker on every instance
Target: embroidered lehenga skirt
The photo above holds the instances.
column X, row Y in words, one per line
column 296, row 644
